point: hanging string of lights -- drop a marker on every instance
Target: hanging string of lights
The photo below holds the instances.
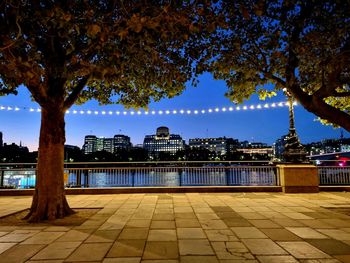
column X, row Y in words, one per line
column 160, row 112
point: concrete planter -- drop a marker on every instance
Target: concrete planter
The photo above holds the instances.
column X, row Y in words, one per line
column 298, row 178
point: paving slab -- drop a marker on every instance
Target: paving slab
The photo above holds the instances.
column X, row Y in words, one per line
column 20, row 253
column 90, row 252
column 303, row 250
column 231, row 250
column 127, row 248
column 248, row 232
column 263, row 247
column 195, row 247
column 56, row 250
column 161, row 250
column 330, row 246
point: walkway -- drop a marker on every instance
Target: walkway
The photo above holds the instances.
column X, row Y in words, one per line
column 203, row 228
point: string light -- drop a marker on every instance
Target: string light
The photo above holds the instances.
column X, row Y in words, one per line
column 161, row 112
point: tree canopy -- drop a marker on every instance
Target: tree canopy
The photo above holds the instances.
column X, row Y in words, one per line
column 121, row 51
column 301, row 46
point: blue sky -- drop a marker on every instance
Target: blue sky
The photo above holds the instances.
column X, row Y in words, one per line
column 264, row 125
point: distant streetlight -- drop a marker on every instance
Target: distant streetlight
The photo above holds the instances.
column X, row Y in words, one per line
column 294, row 151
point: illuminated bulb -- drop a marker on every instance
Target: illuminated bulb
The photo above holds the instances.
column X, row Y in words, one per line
column 82, row 112
column 117, row 112
column 174, row 111
column 124, row 112
column 295, row 103
column 203, row 111
column 182, row 111
column 132, row 112
column 280, row 104
column 31, row 110
column 153, row 112
column 89, row 112
column 167, row 112
column 223, row 109
column 9, row 108
column 245, row 107
column 210, row 110
column 286, row 104
column 217, row 109
column 238, row 108
column 230, row 108
column 139, row 113
column 160, row 112
column 110, row 112
column 67, row 112
column 273, row 105
column 195, row 112
column 2, row 108
column 103, row 112
column 16, row 109
column 188, row 112
column 259, row 106
column 74, row 112
column 38, row 110
column 96, row 112
column 252, row 107
column 146, row 112
column 266, row 105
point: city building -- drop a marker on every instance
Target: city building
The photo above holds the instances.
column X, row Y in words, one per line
column 93, row 143
column 256, row 150
column 90, row 144
column 278, row 147
column 1, row 141
column 328, row 146
column 163, row 141
column 220, row 145
column 121, row 141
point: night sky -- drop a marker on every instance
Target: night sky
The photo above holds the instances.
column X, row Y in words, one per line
column 265, row 125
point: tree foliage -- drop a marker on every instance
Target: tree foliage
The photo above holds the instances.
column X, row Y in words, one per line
column 301, row 46
column 121, row 51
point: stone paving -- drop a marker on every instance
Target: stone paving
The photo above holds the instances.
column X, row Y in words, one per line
column 193, row 227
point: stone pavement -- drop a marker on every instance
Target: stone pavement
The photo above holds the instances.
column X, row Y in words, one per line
column 203, row 228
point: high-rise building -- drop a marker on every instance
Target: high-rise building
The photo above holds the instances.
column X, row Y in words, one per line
column 163, row 141
column 90, row 144
column 220, row 145
column 121, row 142
column 1, row 142
column 108, row 145
column 99, row 144
column 95, row 144
column 278, row 147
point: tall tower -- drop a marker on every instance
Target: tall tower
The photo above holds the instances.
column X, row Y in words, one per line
column 1, row 142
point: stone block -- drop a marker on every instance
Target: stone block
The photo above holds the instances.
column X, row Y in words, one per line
column 301, row 178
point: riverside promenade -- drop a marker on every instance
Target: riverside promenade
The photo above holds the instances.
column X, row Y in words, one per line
column 187, row 227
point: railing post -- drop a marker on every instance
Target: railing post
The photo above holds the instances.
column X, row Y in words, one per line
column 2, row 178
column 133, row 178
column 180, row 177
column 86, row 178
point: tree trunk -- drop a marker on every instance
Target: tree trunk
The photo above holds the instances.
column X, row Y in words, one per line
column 49, row 200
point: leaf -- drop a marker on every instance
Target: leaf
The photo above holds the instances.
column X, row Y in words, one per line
column 93, row 30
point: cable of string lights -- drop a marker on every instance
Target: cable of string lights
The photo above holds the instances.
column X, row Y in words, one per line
column 160, row 112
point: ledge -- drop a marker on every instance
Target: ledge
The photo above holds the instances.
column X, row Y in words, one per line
column 134, row 190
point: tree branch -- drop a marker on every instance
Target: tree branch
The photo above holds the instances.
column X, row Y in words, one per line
column 17, row 37
column 72, row 97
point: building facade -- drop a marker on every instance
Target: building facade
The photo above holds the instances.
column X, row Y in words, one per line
column 93, row 143
column 163, row 141
column 220, row 146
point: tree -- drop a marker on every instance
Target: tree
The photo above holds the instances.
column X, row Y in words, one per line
column 302, row 46
column 113, row 51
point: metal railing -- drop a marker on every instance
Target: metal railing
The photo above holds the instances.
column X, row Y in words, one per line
column 334, row 175
column 149, row 174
